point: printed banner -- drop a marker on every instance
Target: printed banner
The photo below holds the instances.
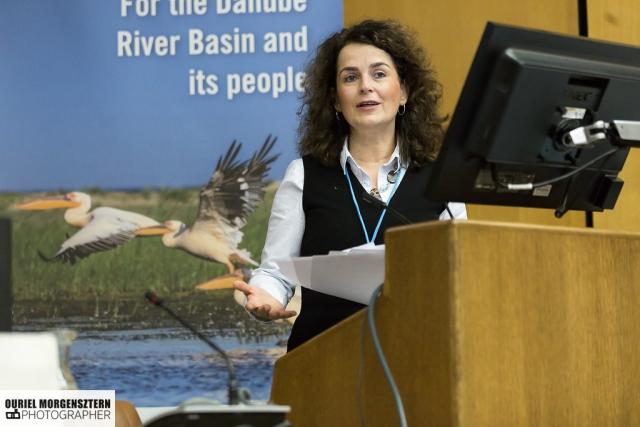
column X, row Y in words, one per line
column 126, row 126
column 130, row 94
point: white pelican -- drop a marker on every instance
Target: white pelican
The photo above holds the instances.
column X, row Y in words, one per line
column 100, row 230
column 232, row 193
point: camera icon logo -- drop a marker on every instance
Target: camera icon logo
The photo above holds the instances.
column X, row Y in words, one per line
column 15, row 415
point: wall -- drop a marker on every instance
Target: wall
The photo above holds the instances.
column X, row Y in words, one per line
column 619, row 21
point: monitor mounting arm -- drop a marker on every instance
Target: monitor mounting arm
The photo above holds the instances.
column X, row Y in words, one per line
column 622, row 133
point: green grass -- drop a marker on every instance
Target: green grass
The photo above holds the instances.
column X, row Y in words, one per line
column 127, row 271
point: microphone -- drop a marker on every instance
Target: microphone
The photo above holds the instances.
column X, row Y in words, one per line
column 392, row 176
column 233, row 392
column 379, row 203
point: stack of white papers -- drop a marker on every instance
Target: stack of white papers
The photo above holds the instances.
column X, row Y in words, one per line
column 353, row 274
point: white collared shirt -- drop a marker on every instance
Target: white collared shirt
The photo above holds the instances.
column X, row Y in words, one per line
column 384, row 187
column 287, row 221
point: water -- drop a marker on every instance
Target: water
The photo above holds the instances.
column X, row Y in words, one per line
column 166, row 366
column 132, row 347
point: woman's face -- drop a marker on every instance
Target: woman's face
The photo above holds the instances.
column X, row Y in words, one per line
column 368, row 91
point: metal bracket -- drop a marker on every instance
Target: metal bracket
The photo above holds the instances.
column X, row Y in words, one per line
column 619, row 132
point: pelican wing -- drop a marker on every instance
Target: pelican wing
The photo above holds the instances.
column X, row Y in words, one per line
column 235, row 188
column 107, row 229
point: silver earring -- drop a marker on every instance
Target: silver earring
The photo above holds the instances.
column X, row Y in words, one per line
column 337, row 115
column 402, row 109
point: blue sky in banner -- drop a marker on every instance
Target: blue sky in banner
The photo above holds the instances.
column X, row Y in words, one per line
column 92, row 98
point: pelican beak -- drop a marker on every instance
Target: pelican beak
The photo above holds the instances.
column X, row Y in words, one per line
column 156, row 230
column 48, row 203
column 222, row 282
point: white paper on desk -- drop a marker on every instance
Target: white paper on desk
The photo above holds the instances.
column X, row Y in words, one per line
column 353, row 274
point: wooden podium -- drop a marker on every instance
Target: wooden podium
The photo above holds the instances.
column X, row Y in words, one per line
column 484, row 324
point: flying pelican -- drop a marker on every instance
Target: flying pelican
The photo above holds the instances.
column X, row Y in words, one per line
column 232, row 193
column 100, row 230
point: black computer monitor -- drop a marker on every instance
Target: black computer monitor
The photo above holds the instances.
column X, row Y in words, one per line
column 525, row 90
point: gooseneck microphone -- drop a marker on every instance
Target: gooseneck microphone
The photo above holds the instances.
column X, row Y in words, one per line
column 368, row 198
column 233, row 384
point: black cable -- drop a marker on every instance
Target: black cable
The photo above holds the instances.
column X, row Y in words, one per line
column 583, row 30
column 360, row 375
column 446, row 206
column 532, row 185
column 583, row 18
column 383, row 361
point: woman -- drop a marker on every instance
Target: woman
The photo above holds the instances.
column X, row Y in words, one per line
column 369, row 129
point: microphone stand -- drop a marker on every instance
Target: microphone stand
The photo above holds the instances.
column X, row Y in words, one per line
column 233, row 384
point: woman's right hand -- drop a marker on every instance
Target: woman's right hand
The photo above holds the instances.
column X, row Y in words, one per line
column 261, row 304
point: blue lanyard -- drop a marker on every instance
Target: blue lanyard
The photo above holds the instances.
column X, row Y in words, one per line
column 355, row 203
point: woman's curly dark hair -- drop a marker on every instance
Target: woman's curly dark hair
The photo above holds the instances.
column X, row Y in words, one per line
column 419, row 130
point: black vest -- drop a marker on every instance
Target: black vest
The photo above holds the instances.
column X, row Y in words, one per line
column 331, row 223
